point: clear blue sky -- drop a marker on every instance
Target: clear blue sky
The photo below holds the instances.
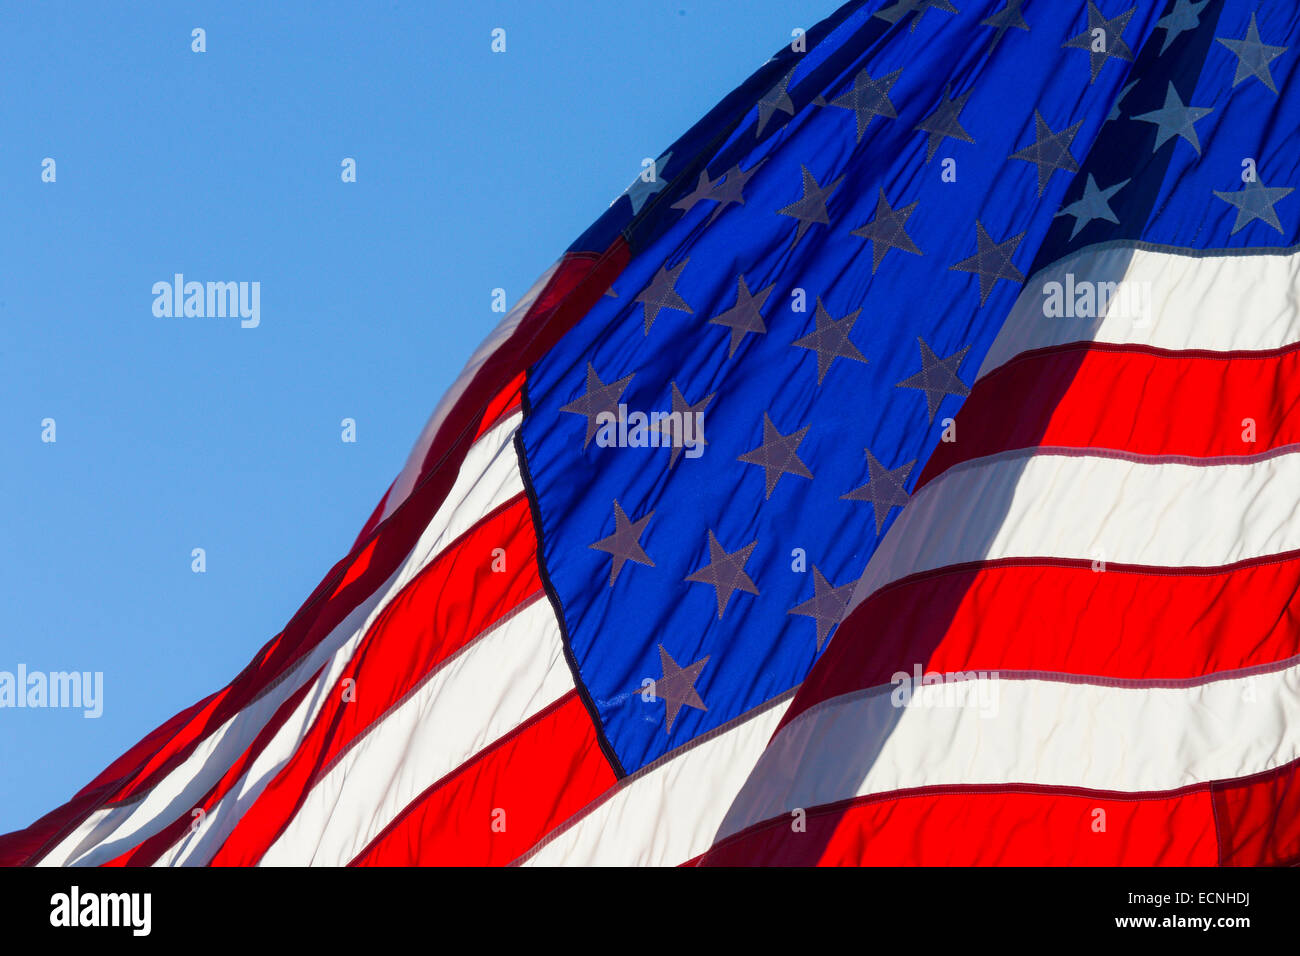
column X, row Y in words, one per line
column 474, row 171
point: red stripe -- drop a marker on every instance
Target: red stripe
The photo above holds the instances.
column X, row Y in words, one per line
column 1059, row 617
column 451, row 602
column 578, row 283
column 1124, row 623
column 1259, row 818
column 148, row 851
column 506, row 403
column 986, row 827
column 373, row 521
column 1141, row 400
column 579, row 280
column 495, row 807
column 380, row 557
column 24, row 847
column 358, row 568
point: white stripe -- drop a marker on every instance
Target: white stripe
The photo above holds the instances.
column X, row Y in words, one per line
column 490, row 476
column 1048, row 733
column 1092, row 507
column 1096, row 508
column 671, row 813
column 410, row 472
column 1224, row 303
column 481, row 694
column 494, row 460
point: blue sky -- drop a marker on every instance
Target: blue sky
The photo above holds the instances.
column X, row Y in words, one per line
column 474, row 171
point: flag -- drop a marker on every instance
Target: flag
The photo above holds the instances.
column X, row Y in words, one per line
column 903, row 470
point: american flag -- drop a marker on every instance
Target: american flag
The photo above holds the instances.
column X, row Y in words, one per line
column 986, row 547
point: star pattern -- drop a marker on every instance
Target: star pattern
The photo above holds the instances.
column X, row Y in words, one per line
column 1008, row 18
column 884, row 488
column 745, row 316
column 887, row 231
column 1111, row 38
column 703, row 190
column 1186, row 15
column 778, row 455
column 811, row 207
column 992, row 261
column 1175, row 119
column 1253, row 56
column 599, row 397
column 945, row 122
column 937, row 378
column 661, row 293
column 1094, row 204
column 1005, row 200
column 1114, row 113
column 683, row 408
column 726, row 190
column 830, row 340
column 896, row 12
column 640, row 190
column 1255, row 201
column 776, row 100
column 676, row 688
column 826, row 606
column 725, row 572
column 868, row 99
column 1050, row 151
column 625, row 543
